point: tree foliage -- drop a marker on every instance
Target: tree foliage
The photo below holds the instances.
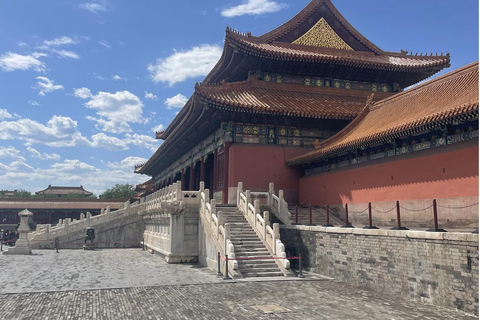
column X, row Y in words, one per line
column 119, row 191
column 22, row 193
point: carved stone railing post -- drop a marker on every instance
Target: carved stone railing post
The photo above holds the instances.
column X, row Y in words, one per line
column 213, row 206
column 280, row 202
column 82, row 216
column 178, row 191
column 266, row 222
column 276, row 235
column 202, row 186
column 247, row 201
column 239, row 191
column 271, row 191
column 256, row 205
column 227, row 236
column 87, row 220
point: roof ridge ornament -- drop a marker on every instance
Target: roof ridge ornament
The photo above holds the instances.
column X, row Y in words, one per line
column 370, row 101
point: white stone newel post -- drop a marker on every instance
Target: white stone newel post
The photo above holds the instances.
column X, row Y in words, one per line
column 202, row 186
column 256, row 205
column 266, row 222
column 66, row 225
column 247, row 201
column 220, row 222
column 213, row 207
column 47, row 231
column 82, row 216
column 276, row 235
column 239, row 191
column 87, row 220
column 178, row 191
column 271, row 191
column 227, row 236
column 206, row 200
column 280, row 202
column 60, row 222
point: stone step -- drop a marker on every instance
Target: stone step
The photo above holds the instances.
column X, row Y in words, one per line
column 262, row 274
column 246, row 251
column 247, row 243
column 256, row 262
column 251, row 253
column 258, row 270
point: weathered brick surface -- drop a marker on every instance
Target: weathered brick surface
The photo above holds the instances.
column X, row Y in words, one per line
column 304, row 299
column 438, row 271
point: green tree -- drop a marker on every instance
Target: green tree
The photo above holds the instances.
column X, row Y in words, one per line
column 119, row 191
column 22, row 193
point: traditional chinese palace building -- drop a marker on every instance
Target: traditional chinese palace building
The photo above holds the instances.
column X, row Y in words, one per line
column 64, row 192
column 272, row 99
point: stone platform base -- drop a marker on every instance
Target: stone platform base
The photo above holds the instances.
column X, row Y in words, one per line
column 19, row 250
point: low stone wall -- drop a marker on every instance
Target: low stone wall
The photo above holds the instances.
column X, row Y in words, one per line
column 437, row 268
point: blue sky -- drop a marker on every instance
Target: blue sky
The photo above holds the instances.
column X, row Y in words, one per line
column 84, row 84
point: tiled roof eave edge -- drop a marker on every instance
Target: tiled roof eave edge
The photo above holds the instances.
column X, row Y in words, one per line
column 247, row 109
column 380, row 138
column 270, row 54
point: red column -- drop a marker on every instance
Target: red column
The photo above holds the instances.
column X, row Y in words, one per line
column 192, row 177
column 225, row 172
column 202, row 170
column 215, row 170
column 183, row 179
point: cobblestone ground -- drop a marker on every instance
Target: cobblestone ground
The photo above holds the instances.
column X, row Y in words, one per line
column 197, row 294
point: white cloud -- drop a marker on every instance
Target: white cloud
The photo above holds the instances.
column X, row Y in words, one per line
column 151, row 96
column 117, row 77
column 22, row 44
column 105, row 44
column 4, row 114
column 128, row 163
column 158, row 128
column 73, row 165
column 142, row 141
column 46, row 85
column 253, row 7
column 57, row 42
column 116, row 110
column 94, row 7
column 67, row 54
column 19, row 174
column 34, row 103
column 10, row 152
column 45, row 156
column 83, row 93
column 185, row 64
column 177, row 101
column 58, row 132
column 13, row 61
column 101, row 140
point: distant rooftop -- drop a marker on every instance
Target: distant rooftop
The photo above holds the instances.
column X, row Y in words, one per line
column 63, row 191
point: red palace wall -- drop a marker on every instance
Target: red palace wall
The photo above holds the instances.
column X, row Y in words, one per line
column 444, row 172
column 256, row 166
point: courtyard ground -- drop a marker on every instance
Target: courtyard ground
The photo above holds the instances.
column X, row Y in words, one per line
column 133, row 284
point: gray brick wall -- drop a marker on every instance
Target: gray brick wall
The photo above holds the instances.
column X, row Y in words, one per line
column 436, row 268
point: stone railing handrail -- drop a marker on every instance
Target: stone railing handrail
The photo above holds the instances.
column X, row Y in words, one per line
column 66, row 226
column 278, row 205
column 216, row 226
column 261, row 225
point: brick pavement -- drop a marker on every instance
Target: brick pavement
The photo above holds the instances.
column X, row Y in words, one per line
column 150, row 293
